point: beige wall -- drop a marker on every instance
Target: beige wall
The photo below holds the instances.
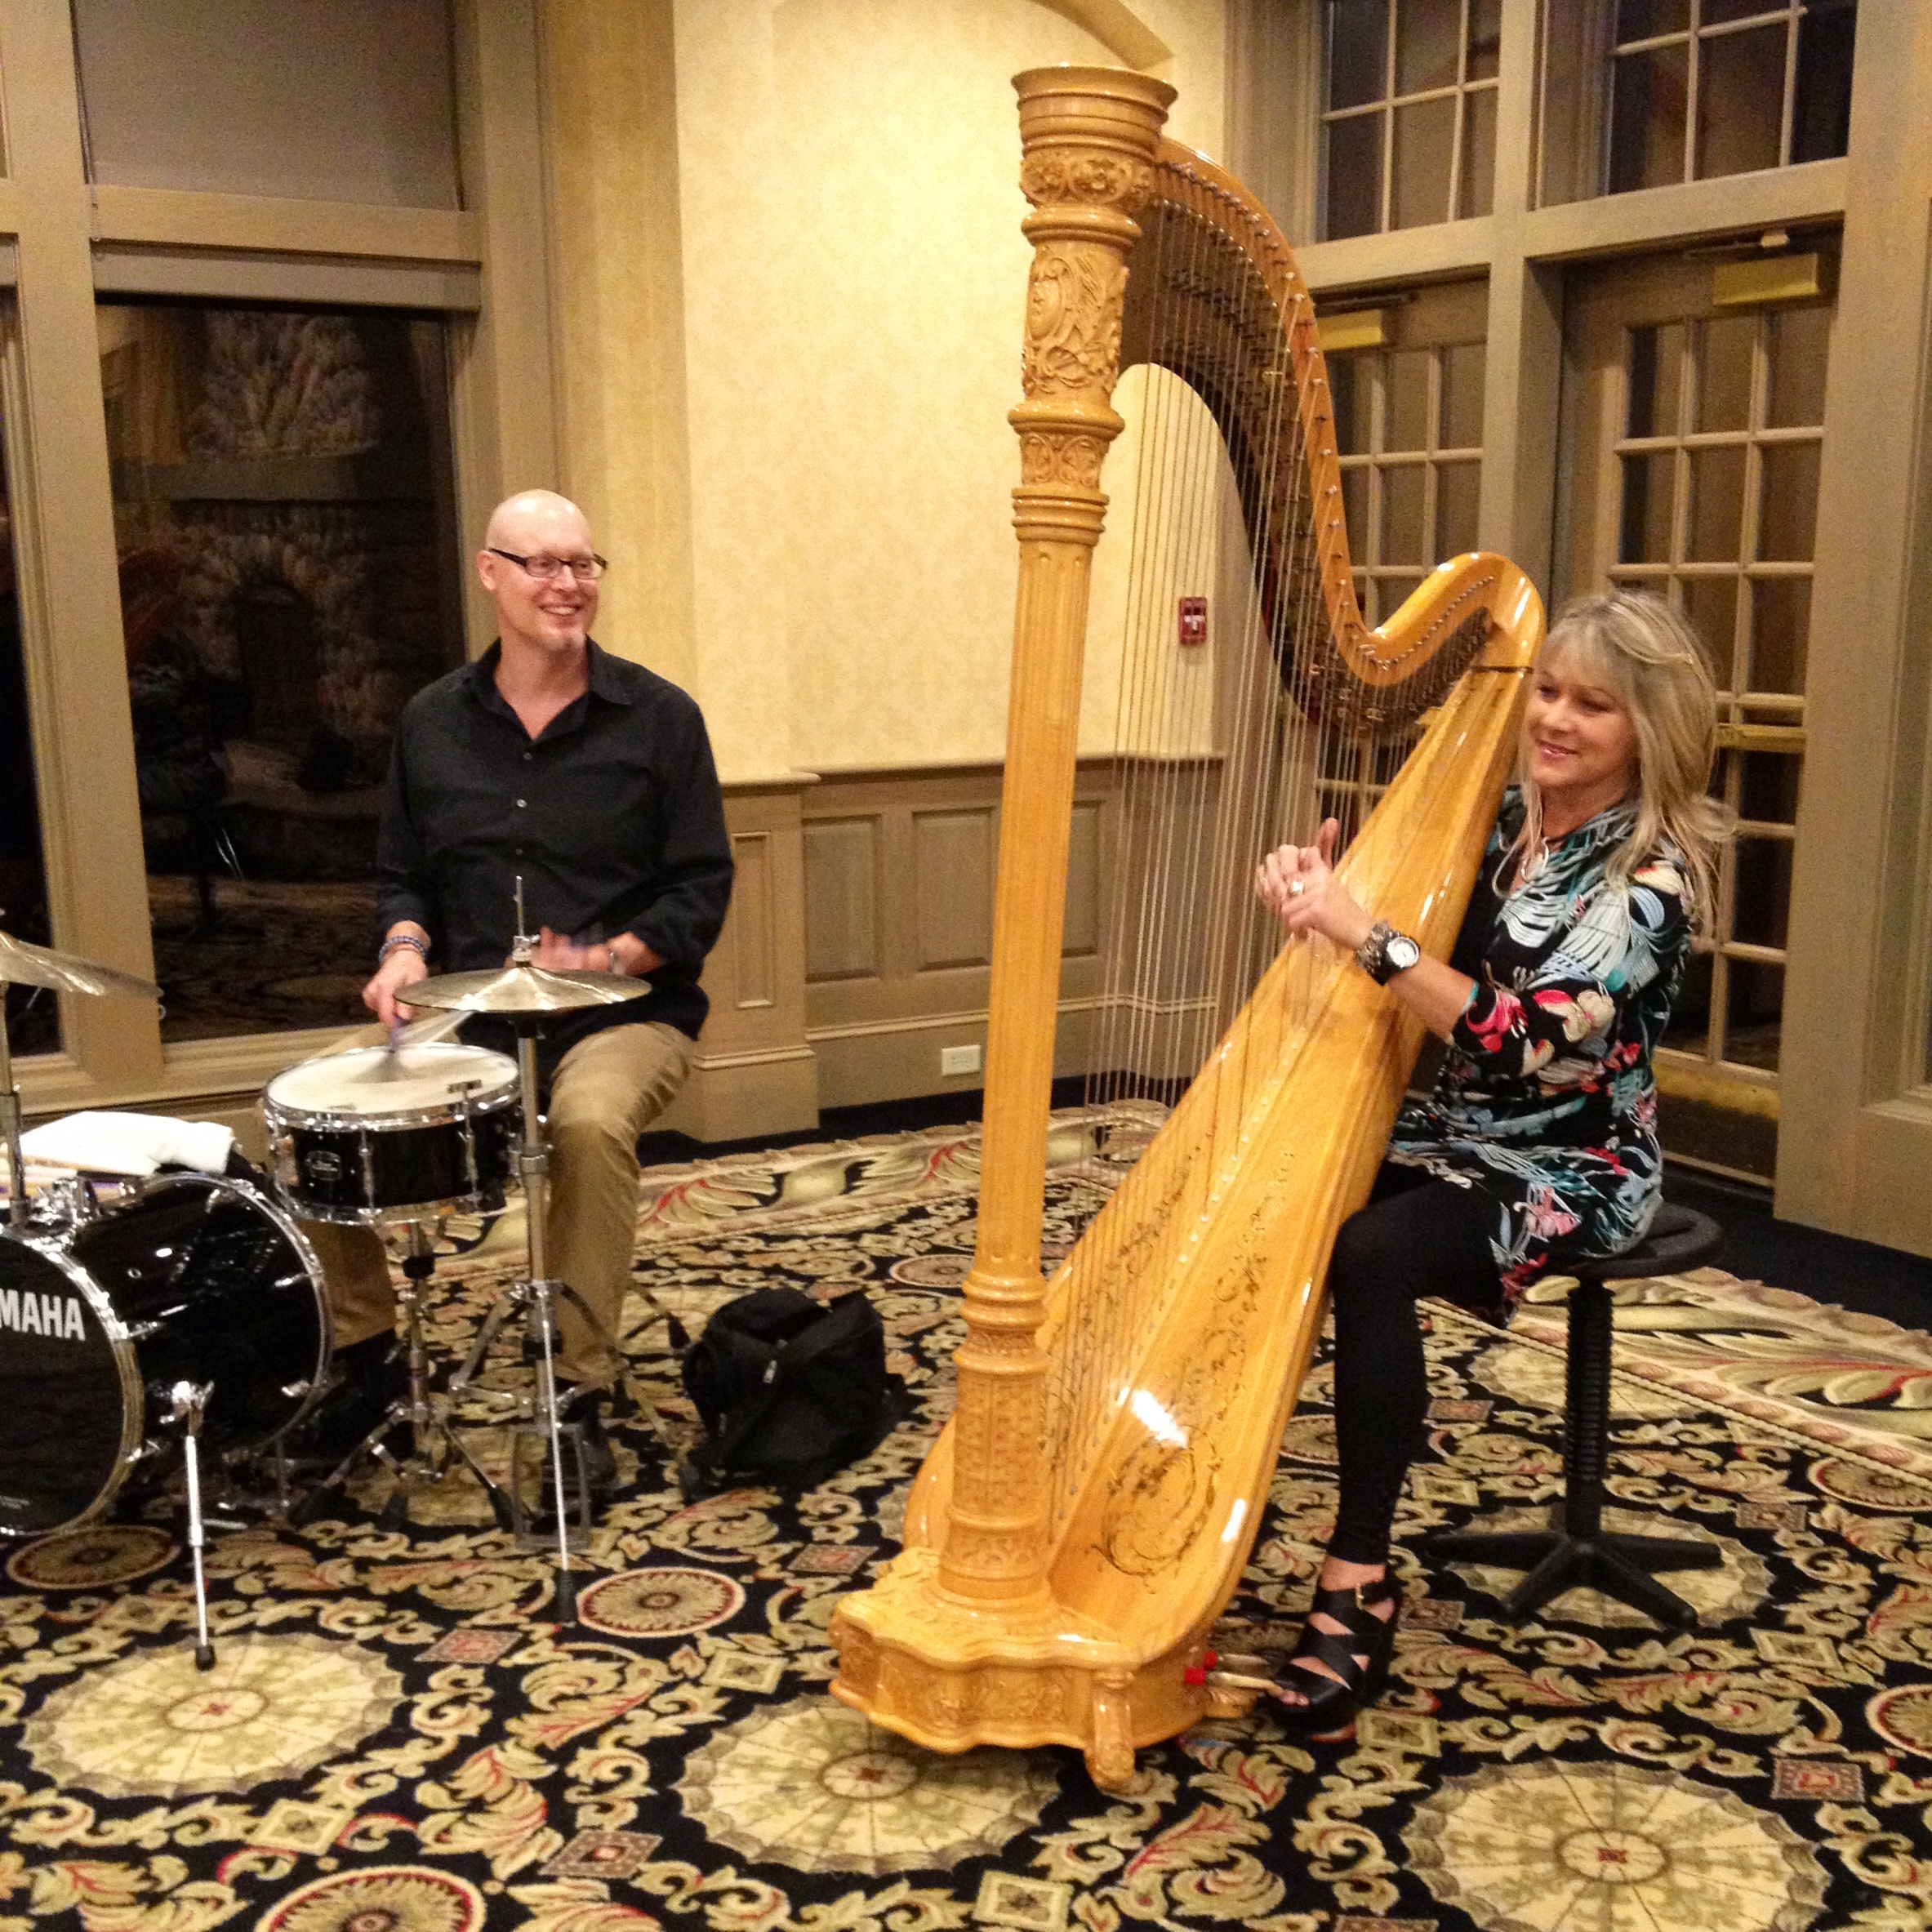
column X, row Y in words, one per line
column 787, row 292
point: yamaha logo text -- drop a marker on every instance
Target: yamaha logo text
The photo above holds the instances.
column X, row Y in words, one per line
column 55, row 1316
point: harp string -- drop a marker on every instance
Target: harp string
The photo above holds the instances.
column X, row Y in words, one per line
column 1214, row 759
column 1195, row 822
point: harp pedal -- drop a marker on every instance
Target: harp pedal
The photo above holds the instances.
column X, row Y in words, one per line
column 1230, row 1694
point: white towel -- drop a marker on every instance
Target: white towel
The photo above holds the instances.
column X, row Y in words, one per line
column 104, row 1143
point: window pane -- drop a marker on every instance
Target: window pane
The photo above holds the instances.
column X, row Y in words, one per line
column 1355, row 176
column 1649, row 486
column 1740, row 101
column 1710, row 604
column 1463, row 372
column 1715, row 13
column 1757, row 1001
column 1457, row 487
column 1358, row 53
column 1402, row 516
column 1351, row 384
column 33, row 1018
column 269, row 97
column 1407, row 375
column 1770, row 790
column 1723, row 355
column 1647, row 109
column 1800, row 349
column 1691, row 1011
column 1787, row 511
column 1395, row 592
column 1640, row 19
column 1354, row 511
column 1780, row 630
column 288, row 580
column 1424, row 135
column 1477, row 194
column 1485, row 40
column 1656, row 364
column 1426, row 44
column 1821, row 113
column 1763, row 890
column 1716, row 526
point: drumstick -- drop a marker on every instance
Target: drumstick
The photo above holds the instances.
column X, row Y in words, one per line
column 423, row 1032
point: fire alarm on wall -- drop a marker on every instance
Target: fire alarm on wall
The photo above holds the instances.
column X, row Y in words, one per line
column 1194, row 620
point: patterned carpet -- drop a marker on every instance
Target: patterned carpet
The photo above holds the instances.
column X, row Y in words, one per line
column 398, row 1737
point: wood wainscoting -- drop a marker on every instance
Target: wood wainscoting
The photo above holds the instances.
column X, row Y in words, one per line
column 755, row 1072
column 899, row 868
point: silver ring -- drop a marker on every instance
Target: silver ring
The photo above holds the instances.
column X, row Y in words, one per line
column 1295, row 889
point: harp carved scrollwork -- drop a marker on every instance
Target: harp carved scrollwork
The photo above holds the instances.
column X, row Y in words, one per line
column 1086, row 1514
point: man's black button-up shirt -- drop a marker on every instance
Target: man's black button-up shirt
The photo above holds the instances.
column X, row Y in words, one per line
column 611, row 817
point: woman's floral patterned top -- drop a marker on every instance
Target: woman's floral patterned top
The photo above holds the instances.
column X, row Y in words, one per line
column 1546, row 1101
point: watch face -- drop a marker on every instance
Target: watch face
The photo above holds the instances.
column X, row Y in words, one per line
column 1401, row 953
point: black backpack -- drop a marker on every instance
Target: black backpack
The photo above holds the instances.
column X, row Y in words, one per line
column 789, row 1389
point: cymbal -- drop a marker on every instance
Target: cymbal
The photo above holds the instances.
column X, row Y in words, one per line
column 24, row 965
column 522, row 989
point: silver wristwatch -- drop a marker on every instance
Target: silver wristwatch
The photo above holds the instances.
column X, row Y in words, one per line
column 1386, row 952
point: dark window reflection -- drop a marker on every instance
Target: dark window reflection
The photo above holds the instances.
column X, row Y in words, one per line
column 33, row 1021
column 288, row 579
column 1821, row 110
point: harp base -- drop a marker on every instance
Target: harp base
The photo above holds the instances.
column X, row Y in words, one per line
column 950, row 1675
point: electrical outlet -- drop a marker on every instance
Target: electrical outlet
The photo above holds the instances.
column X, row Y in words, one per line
column 953, row 1060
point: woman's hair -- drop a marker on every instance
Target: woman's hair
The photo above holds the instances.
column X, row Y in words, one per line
column 1642, row 651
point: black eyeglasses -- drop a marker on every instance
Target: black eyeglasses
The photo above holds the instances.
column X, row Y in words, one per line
column 584, row 569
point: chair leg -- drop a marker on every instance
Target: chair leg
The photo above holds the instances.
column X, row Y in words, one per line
column 1582, row 1552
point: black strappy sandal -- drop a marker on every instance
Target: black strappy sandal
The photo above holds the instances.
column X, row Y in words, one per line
column 1360, row 1660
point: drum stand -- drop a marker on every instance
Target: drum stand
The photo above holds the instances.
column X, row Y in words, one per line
column 431, row 1438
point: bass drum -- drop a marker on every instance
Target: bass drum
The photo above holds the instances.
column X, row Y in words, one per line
column 192, row 1279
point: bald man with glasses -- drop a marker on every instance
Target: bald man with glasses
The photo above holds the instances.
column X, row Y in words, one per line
column 592, row 779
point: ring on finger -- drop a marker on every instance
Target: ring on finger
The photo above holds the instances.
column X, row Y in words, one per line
column 1295, row 889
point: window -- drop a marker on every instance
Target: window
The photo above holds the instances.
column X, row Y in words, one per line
column 1408, row 427
column 1720, row 463
column 1409, row 129
column 1674, row 90
column 284, row 523
column 354, row 101
column 1408, row 423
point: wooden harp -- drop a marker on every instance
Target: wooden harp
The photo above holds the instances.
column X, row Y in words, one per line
column 1088, row 1512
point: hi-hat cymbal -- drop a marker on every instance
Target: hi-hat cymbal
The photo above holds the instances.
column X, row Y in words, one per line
column 522, row 989
column 24, row 965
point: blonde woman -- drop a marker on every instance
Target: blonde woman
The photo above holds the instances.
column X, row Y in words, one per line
column 1538, row 1142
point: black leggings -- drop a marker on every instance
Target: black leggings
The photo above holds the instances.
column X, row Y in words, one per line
column 1418, row 1236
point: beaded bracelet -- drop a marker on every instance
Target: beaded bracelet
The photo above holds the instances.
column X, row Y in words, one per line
column 408, row 939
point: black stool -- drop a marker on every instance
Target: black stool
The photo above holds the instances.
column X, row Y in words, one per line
column 1582, row 1552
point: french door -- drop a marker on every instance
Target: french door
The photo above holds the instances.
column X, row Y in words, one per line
column 1693, row 433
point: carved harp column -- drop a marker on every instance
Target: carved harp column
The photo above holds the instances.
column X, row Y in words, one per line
column 1089, row 144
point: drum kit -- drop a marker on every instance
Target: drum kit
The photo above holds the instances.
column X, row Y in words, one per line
column 191, row 1315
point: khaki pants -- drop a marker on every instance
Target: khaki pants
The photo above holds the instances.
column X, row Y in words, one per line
column 608, row 1089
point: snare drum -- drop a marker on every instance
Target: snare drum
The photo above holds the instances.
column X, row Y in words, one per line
column 381, row 1134
column 192, row 1279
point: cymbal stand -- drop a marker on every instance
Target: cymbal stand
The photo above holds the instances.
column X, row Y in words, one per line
column 189, row 1401
column 10, row 1125
column 533, row 1164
